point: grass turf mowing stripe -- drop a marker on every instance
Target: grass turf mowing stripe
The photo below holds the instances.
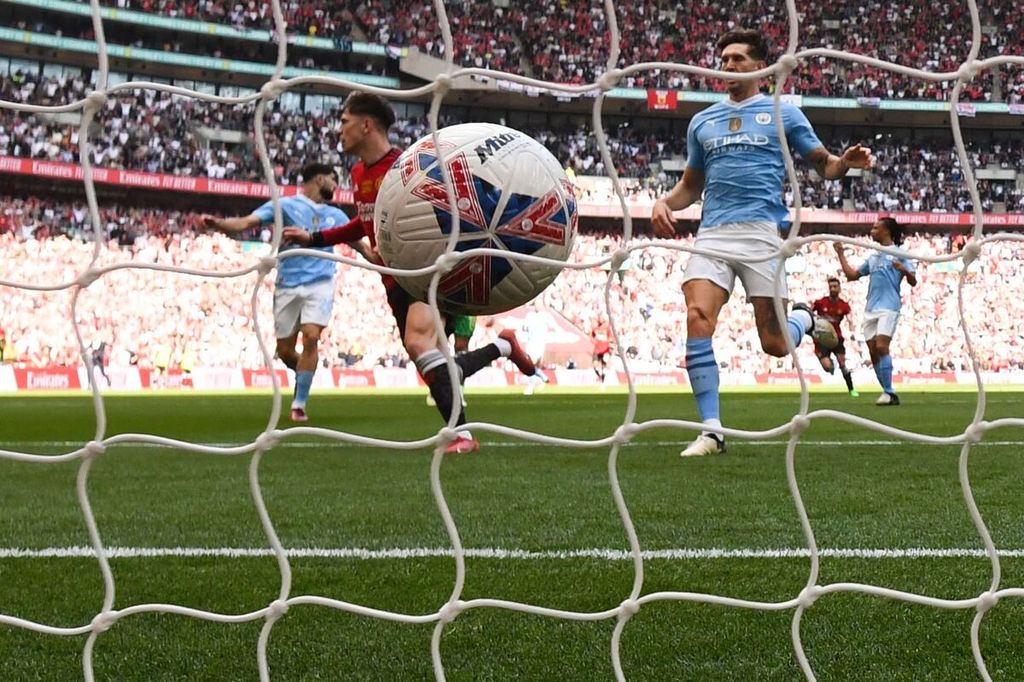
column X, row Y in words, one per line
column 499, row 553
column 302, row 445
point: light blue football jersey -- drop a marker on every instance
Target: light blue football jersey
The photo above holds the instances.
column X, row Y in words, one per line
column 884, row 282
column 300, row 211
column 738, row 148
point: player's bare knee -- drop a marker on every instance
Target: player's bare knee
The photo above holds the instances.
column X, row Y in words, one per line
column 774, row 346
column 700, row 320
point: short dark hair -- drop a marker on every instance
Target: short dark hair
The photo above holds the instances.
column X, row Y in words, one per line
column 895, row 230
column 832, row 278
column 311, row 170
column 374, row 106
column 749, row 37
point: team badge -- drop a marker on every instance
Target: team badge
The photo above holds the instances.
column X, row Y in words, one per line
column 763, row 118
column 735, row 124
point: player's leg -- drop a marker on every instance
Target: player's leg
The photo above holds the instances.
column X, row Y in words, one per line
column 704, row 302
column 287, row 309
column 883, row 370
column 824, row 358
column 758, row 280
column 840, row 353
column 316, row 301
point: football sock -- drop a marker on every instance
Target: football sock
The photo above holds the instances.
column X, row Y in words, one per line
column 473, row 361
column 848, row 378
column 883, row 370
column 434, row 370
column 798, row 324
column 303, row 382
column 702, row 370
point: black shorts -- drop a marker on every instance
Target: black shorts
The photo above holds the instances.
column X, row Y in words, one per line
column 840, row 349
column 400, row 300
column 601, row 357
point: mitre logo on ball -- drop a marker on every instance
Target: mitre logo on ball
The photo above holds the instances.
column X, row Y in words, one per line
column 511, row 194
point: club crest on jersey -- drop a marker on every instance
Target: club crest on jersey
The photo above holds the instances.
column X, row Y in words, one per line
column 763, row 118
column 735, row 124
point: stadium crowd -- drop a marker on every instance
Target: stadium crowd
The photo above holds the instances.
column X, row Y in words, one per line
column 151, row 131
column 209, row 319
column 568, row 41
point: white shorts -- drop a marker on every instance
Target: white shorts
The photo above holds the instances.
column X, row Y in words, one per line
column 753, row 239
column 305, row 304
column 880, row 323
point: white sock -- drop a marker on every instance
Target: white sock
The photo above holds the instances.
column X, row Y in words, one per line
column 503, row 346
column 712, row 426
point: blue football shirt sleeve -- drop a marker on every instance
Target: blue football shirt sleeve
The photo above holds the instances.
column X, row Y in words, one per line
column 908, row 264
column 265, row 213
column 864, row 269
column 694, row 150
column 799, row 133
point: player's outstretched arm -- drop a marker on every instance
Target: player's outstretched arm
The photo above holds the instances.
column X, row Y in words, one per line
column 832, row 167
column 851, row 272
column 686, row 192
column 910, row 276
column 231, row 225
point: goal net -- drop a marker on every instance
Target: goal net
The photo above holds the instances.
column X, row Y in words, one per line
column 637, row 598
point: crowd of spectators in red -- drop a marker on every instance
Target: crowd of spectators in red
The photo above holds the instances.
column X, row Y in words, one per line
column 568, row 41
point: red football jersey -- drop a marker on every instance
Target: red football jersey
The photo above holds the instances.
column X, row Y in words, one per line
column 833, row 311
column 602, row 335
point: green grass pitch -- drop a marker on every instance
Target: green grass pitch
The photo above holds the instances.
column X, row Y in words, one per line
column 862, row 490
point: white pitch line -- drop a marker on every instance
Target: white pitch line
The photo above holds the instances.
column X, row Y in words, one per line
column 309, row 445
column 498, row 553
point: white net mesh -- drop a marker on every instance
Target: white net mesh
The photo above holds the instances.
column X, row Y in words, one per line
column 451, row 609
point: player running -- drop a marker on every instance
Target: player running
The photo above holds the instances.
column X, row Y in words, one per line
column 734, row 159
column 365, row 121
column 304, row 290
column 835, row 310
column 882, row 312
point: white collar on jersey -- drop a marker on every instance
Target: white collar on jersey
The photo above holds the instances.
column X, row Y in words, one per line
column 757, row 97
column 303, row 197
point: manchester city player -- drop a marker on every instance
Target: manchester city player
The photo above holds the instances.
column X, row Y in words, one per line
column 882, row 311
column 304, row 290
column 735, row 159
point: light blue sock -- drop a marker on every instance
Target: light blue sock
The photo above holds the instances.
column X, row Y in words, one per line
column 883, row 370
column 797, row 324
column 703, row 372
column 303, row 382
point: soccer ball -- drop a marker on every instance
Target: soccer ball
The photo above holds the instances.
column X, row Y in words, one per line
column 511, row 195
column 824, row 334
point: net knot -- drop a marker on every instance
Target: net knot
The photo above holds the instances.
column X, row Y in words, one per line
column 446, row 262
column 451, row 610
column 629, row 607
column 94, row 449
column 624, row 434
column 809, row 595
column 277, row 608
column 609, row 79
column 266, row 264
column 970, row 252
column 967, row 71
column 267, row 440
column 618, row 259
column 987, row 601
column 272, row 89
column 787, row 63
column 443, row 83
column 789, row 248
column 94, row 101
column 446, row 435
column 104, row 621
column 799, row 424
column 88, row 277
column 975, row 432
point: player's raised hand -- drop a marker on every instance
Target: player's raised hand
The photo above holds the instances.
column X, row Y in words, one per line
column 662, row 220
column 839, row 247
column 296, row 235
column 209, row 222
column 858, row 156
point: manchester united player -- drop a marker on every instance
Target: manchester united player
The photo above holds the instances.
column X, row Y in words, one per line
column 365, row 121
column 602, row 336
column 835, row 310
